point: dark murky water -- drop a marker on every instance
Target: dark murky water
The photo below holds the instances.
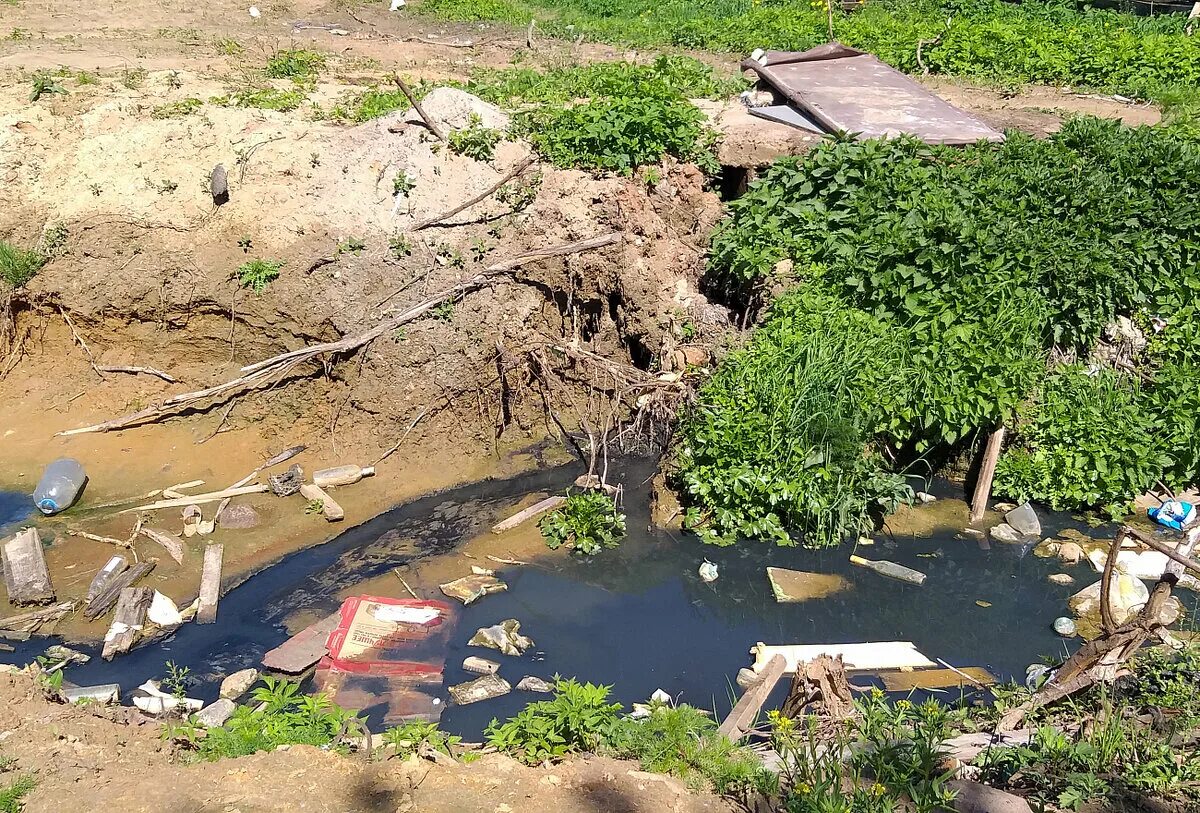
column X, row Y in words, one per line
column 14, row 507
column 638, row 617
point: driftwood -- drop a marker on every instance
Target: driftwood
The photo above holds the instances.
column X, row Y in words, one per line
column 32, row 621
column 987, row 471
column 744, row 713
column 138, row 371
column 210, row 585
column 487, row 193
column 540, row 507
column 103, row 602
column 575, row 247
column 1099, row 660
column 433, row 126
column 211, row 496
column 127, row 621
column 25, row 572
column 822, row 680
column 172, row 543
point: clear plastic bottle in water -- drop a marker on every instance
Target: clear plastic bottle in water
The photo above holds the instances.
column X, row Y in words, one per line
column 60, row 485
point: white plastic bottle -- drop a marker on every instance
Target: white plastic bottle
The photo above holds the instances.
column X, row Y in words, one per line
column 61, row 483
column 341, row 475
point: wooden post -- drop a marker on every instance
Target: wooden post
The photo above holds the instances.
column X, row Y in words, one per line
column 102, row 603
column 210, row 584
column 25, row 573
column 744, row 713
column 127, row 621
column 983, row 486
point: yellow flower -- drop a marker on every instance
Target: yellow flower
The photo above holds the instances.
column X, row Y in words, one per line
column 878, row 789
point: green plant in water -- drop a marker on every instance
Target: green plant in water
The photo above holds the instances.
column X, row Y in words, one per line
column 587, row 523
column 258, row 274
column 177, row 679
column 577, row 719
column 475, row 141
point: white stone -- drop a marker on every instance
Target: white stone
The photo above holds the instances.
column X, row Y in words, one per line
column 238, row 683
column 215, row 714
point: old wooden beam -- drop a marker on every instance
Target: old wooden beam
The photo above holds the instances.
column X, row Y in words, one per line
column 329, row 507
column 210, row 584
column 303, row 649
column 127, row 621
column 935, row 678
column 745, row 712
column 541, row 507
column 103, row 602
column 25, row 573
column 987, row 471
column 19, row 627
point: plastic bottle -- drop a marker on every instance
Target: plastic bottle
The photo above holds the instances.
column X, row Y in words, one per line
column 891, row 570
column 341, row 475
column 61, row 483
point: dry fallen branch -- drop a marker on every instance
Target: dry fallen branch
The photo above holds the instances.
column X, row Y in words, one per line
column 79, row 340
column 138, row 371
column 487, row 193
column 576, row 247
column 433, row 126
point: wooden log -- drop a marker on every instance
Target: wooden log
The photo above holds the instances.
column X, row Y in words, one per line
column 541, row 507
column 987, row 471
column 212, row 496
column 487, row 193
column 25, row 573
column 745, row 712
column 332, row 511
column 19, row 627
column 210, row 584
column 303, row 649
column 102, row 603
column 935, row 679
column 172, row 543
column 127, row 621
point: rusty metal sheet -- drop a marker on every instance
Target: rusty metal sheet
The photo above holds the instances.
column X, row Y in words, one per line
column 848, row 90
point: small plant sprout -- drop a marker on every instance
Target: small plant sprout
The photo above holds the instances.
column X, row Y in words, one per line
column 44, row 84
column 351, row 245
column 314, row 507
column 258, row 274
column 475, row 141
column 245, row 244
column 403, row 183
column 177, row 679
column 400, row 246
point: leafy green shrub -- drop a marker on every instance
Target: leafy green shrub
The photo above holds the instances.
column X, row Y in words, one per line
column 1089, row 440
column 288, row 718
column 11, row 796
column 258, row 274
column 474, row 141
column 269, row 98
column 295, row 63
column 587, row 523
column 43, row 84
column 175, row 110
column 411, row 738
column 18, row 266
column 578, row 718
column 683, row 741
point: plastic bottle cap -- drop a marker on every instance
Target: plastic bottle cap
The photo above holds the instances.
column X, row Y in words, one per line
column 368, row 471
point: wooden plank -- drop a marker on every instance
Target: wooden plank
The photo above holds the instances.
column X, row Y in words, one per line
column 529, row 513
column 25, row 573
column 210, row 584
column 127, row 621
column 743, row 715
column 987, row 471
column 304, row 648
column 934, row 679
column 332, row 511
column 866, row 657
column 212, row 496
column 19, row 627
column 102, row 603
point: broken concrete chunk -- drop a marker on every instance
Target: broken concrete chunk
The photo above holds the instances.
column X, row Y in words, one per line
column 152, row 700
column 60, row 654
column 1127, row 595
column 471, row 588
column 529, row 683
column 480, row 666
column 1069, row 553
column 800, row 585
column 237, row 684
column 286, row 483
column 1025, row 520
column 104, row 693
column 238, row 517
column 505, row 636
column 215, row 714
column 973, row 797
column 1006, row 533
column 484, row 688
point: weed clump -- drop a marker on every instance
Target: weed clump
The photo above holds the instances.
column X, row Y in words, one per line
column 587, row 523
column 17, row 265
column 258, row 274
column 295, row 63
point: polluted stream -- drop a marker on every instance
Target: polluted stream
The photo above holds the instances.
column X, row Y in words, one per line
column 637, row 617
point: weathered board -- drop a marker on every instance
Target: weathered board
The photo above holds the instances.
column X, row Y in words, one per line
column 746, row 710
column 19, row 627
column 935, row 679
column 529, row 513
column 304, row 648
column 867, row 657
column 127, row 621
column 25, row 573
column 329, row 507
column 102, row 603
column 210, row 584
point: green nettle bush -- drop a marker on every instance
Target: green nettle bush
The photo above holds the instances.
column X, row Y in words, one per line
column 934, row 284
column 587, row 523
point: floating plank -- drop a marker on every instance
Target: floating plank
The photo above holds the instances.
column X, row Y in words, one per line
column 541, row 507
column 866, row 657
column 935, row 679
column 210, row 584
column 19, row 627
column 743, row 715
column 102, row 603
column 303, row 649
column 127, row 621
column 332, row 511
column 25, row 573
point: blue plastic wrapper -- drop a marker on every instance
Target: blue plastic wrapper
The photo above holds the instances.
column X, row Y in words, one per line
column 1174, row 514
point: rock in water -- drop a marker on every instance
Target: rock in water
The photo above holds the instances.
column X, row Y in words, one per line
column 1070, row 553
column 505, row 636
column 1006, row 533
column 215, row 714
column 484, row 688
column 218, row 185
column 287, row 483
column 800, row 585
column 529, row 683
column 1025, row 520
column 238, row 683
column 1061, row 578
column 1064, row 627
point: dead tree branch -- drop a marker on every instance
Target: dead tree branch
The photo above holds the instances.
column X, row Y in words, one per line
column 79, row 340
column 555, row 251
column 433, row 126
column 139, row 371
column 487, row 193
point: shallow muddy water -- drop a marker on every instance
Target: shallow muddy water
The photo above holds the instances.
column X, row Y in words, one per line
column 637, row 617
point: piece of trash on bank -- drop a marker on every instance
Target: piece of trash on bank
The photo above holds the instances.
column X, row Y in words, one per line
column 505, row 636
column 1036, row 674
column 104, row 602
column 329, row 509
column 801, row 585
column 103, row 693
column 163, row 611
column 708, row 572
column 60, row 486
column 480, row 689
column 1146, row 564
column 482, row 571
column 1024, row 520
column 151, row 699
column 25, row 574
column 341, row 475
column 540, row 507
column 113, row 568
column 935, row 678
column 529, row 683
column 216, row 714
column 169, row 541
column 864, row 657
column 471, row 588
column 61, row 656
column 286, row 483
column 237, row 684
column 1064, row 626
column 1174, row 514
column 1126, row 596
column 924, row 497
column 480, row 666
column 891, row 570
